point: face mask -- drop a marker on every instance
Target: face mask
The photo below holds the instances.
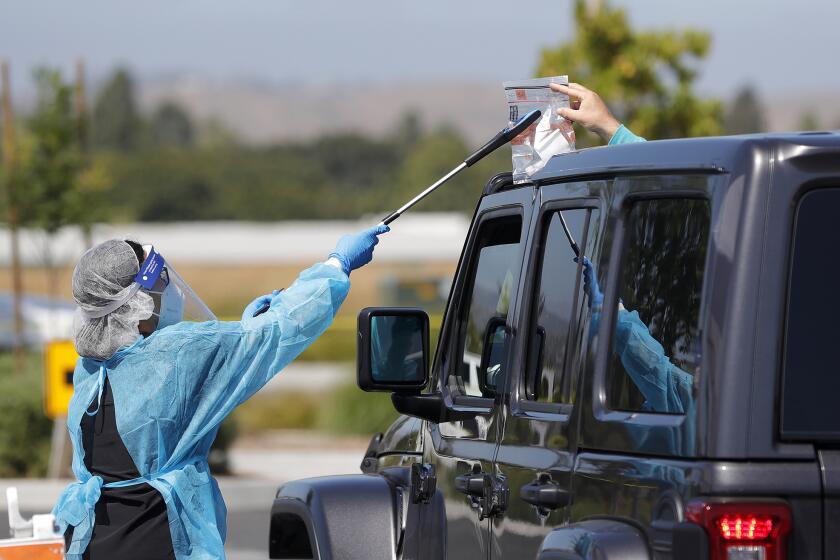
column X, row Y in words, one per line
column 171, row 306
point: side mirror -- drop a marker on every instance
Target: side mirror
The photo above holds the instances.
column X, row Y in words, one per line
column 393, row 349
column 493, row 356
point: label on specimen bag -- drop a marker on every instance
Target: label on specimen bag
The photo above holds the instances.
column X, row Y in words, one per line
column 549, row 136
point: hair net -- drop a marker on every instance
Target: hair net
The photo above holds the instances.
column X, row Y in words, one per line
column 110, row 302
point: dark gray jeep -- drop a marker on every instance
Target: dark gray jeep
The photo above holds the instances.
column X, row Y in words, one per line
column 692, row 412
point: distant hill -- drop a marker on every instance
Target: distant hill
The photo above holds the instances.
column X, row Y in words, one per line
column 262, row 114
column 785, row 112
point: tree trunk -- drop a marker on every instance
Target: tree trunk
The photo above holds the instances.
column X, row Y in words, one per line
column 9, row 163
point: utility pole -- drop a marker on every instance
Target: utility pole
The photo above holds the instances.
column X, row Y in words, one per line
column 80, row 95
column 12, row 216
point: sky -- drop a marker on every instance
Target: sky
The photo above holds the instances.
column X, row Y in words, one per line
column 779, row 46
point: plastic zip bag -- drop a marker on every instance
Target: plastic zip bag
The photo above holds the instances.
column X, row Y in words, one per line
column 549, row 136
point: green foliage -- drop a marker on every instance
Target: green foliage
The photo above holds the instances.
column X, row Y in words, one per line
column 808, row 121
column 746, row 115
column 271, row 411
column 116, row 123
column 349, row 410
column 645, row 77
column 171, row 126
column 170, row 170
column 24, row 430
column 340, row 176
column 51, row 161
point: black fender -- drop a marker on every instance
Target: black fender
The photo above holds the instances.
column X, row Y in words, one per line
column 596, row 539
column 343, row 517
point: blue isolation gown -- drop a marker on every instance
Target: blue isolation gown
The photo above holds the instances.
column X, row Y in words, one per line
column 665, row 387
column 171, row 391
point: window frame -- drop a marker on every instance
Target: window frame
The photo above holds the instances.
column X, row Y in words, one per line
column 600, row 402
column 522, row 405
column 464, row 283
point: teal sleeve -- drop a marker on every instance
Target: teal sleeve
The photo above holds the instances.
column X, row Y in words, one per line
column 222, row 364
column 665, row 387
column 624, row 136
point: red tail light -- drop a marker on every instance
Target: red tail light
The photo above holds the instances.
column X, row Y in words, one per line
column 742, row 530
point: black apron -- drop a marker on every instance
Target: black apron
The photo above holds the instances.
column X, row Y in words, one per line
column 131, row 522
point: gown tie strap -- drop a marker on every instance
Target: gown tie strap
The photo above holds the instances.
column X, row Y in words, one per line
column 101, row 385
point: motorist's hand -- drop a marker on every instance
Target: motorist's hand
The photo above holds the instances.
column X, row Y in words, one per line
column 355, row 251
column 590, row 284
column 587, row 109
column 259, row 304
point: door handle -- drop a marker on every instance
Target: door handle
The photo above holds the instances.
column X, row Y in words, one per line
column 475, row 485
column 545, row 494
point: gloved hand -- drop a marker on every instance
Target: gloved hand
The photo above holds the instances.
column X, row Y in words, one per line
column 355, row 251
column 258, row 304
column 590, row 284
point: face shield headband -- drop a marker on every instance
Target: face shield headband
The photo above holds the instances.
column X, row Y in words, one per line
column 152, row 271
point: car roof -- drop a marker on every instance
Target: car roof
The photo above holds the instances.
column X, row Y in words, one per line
column 712, row 154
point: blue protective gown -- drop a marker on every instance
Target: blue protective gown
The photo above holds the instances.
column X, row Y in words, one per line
column 666, row 388
column 171, row 391
column 624, row 136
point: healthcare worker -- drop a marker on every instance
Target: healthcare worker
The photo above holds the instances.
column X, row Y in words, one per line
column 152, row 386
column 665, row 387
column 590, row 111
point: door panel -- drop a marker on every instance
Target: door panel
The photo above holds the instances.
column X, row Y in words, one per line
column 536, row 450
column 483, row 292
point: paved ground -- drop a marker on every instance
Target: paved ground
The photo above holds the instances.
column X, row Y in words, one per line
column 261, row 465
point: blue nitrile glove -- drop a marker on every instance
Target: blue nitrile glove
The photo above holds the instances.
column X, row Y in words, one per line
column 355, row 251
column 590, row 284
column 259, row 304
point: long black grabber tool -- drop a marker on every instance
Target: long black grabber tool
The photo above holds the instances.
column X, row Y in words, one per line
column 502, row 138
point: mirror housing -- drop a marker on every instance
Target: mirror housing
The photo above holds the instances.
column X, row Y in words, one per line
column 393, row 349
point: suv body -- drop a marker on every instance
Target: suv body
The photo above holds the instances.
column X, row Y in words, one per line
column 724, row 249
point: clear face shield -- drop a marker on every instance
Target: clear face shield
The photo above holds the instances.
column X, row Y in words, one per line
column 174, row 300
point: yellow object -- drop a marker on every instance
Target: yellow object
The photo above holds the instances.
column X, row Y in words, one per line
column 59, row 363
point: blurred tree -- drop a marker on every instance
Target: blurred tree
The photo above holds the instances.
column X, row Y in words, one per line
column 339, row 176
column 52, row 161
column 214, row 134
column 434, row 156
column 646, row 77
column 352, row 160
column 746, row 114
column 52, row 158
column 407, row 132
column 171, row 126
column 808, row 121
column 86, row 204
column 116, row 123
column 9, row 180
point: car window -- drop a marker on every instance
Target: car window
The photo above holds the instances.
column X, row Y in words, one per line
column 493, row 276
column 810, row 378
column 555, row 304
column 655, row 350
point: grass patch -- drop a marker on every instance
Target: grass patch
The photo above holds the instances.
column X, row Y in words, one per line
column 24, row 430
column 345, row 410
column 349, row 410
column 278, row 411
